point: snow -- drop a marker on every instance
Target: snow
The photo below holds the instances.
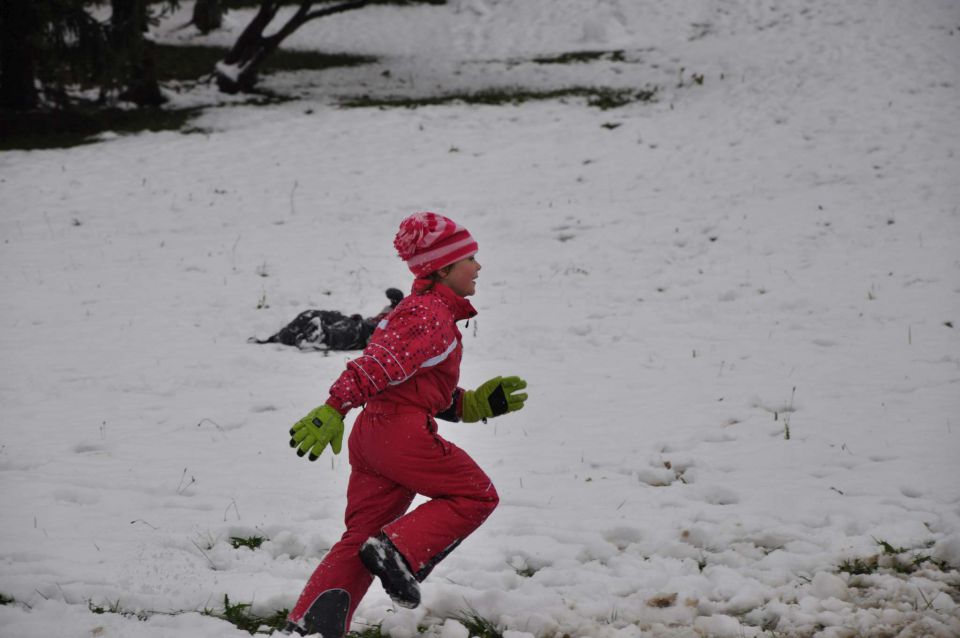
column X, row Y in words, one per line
column 681, row 283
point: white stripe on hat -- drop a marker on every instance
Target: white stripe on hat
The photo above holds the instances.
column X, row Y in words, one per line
column 430, row 255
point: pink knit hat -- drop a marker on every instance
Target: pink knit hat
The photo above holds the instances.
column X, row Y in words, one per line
column 428, row 242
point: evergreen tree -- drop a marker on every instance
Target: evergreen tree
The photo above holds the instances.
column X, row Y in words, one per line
column 20, row 22
column 47, row 46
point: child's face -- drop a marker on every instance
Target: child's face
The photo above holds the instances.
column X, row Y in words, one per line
column 462, row 276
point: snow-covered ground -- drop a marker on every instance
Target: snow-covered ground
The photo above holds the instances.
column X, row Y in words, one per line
column 682, row 283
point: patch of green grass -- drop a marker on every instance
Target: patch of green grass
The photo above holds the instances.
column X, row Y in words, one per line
column 702, row 563
column 478, row 626
column 187, row 62
column 605, row 99
column 600, row 97
column 890, row 549
column 900, row 560
column 858, row 566
column 241, row 617
column 238, row 615
column 77, row 125
column 115, row 608
column 373, row 631
column 287, row 60
column 251, row 542
column 581, row 57
column 525, row 572
column 193, row 62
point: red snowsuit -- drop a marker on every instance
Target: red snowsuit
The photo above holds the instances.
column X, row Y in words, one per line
column 407, row 374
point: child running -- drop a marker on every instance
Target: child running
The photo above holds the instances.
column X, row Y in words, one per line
column 405, row 379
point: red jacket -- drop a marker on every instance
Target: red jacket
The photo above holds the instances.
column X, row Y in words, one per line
column 413, row 358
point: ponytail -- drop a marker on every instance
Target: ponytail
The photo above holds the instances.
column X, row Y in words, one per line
column 433, row 278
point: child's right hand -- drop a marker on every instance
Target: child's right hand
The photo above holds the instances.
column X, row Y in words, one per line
column 313, row 432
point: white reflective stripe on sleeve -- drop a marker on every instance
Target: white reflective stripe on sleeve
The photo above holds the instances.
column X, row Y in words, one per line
column 364, row 372
column 395, row 359
column 440, row 357
column 383, row 324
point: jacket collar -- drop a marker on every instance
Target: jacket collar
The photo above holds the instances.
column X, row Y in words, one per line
column 459, row 306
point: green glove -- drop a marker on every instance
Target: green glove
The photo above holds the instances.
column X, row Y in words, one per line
column 495, row 397
column 313, row 432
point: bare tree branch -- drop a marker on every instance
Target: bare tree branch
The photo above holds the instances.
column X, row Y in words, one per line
column 340, row 8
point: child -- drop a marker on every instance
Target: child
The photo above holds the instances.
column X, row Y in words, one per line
column 406, row 377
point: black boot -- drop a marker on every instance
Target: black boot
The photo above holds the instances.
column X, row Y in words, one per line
column 385, row 562
column 326, row 617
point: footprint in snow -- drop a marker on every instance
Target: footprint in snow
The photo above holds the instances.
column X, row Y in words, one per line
column 77, row 497
column 719, row 437
column 623, row 537
column 664, row 472
column 911, row 491
column 656, row 477
column 717, row 495
column 88, row 448
column 260, row 409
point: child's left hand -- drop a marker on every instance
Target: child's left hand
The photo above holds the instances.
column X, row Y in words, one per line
column 497, row 396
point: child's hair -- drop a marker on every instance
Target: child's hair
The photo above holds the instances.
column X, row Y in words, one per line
column 434, row 279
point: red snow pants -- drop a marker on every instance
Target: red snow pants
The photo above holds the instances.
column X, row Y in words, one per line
column 395, row 454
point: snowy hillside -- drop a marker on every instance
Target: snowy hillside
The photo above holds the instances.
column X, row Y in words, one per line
column 737, row 307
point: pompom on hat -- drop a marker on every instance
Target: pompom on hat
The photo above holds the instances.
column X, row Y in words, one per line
column 428, row 242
